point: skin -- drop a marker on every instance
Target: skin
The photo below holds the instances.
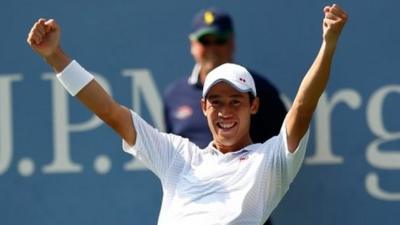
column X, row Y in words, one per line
column 228, row 113
column 211, row 56
column 44, row 39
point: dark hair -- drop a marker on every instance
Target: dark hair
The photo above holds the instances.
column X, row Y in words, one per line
column 251, row 97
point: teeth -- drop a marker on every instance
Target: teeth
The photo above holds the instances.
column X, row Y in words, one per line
column 226, row 125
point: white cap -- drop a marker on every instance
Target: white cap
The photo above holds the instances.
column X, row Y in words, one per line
column 233, row 74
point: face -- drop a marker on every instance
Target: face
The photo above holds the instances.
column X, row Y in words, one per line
column 228, row 113
column 210, row 51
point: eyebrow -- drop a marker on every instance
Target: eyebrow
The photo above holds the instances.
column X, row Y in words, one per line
column 211, row 97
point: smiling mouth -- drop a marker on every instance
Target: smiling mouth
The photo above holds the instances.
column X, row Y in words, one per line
column 225, row 125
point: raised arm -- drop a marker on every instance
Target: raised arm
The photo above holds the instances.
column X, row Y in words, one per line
column 44, row 38
column 314, row 83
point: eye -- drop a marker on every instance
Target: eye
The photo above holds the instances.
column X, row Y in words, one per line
column 236, row 102
column 215, row 103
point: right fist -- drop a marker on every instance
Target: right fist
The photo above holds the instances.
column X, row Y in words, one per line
column 44, row 37
column 334, row 21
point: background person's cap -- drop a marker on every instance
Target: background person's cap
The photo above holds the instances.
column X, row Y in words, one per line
column 236, row 76
column 211, row 21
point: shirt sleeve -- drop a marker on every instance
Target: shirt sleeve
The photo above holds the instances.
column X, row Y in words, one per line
column 294, row 160
column 155, row 149
column 281, row 164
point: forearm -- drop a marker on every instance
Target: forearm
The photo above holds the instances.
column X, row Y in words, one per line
column 58, row 60
column 92, row 94
column 44, row 39
column 95, row 98
column 315, row 81
column 311, row 88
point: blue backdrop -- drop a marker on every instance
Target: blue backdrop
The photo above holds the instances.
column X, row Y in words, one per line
column 60, row 165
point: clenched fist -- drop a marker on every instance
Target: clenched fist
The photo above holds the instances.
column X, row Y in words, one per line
column 333, row 23
column 44, row 37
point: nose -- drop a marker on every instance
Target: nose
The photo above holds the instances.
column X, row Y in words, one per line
column 225, row 112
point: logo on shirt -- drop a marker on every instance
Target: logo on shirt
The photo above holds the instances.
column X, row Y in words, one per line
column 183, row 112
column 243, row 157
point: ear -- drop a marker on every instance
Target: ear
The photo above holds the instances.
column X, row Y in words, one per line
column 255, row 105
column 204, row 106
column 193, row 48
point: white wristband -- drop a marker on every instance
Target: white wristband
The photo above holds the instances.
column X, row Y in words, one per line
column 74, row 77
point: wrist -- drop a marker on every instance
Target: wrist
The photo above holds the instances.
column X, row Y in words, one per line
column 74, row 78
column 328, row 47
column 58, row 60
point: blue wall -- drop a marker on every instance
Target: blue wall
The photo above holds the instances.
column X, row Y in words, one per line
column 68, row 168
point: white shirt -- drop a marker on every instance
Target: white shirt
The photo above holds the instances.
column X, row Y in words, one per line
column 204, row 186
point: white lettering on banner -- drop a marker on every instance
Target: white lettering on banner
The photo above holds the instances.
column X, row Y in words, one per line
column 389, row 160
column 373, row 188
column 6, row 118
column 62, row 162
column 286, row 101
column 323, row 114
column 323, row 150
column 142, row 82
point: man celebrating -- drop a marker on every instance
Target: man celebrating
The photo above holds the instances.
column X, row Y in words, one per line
column 231, row 181
column 212, row 43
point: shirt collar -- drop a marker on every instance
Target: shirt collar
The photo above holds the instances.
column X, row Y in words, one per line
column 211, row 149
column 194, row 77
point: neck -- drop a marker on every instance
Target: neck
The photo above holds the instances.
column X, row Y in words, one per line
column 203, row 73
column 225, row 148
